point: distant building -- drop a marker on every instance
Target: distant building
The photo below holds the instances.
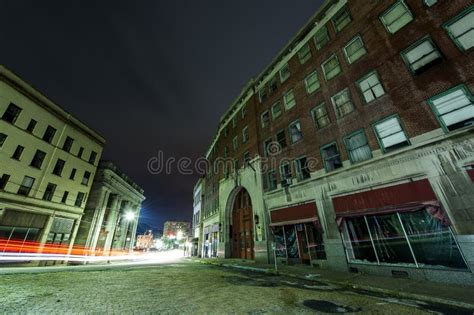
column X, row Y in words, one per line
column 354, row 149
column 145, row 241
column 176, row 229
column 196, row 238
column 111, row 216
column 48, row 160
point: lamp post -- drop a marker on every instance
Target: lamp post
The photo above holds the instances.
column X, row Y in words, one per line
column 129, row 216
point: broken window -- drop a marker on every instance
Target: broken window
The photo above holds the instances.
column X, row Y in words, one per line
column 320, row 116
column 331, row 157
column 295, row 132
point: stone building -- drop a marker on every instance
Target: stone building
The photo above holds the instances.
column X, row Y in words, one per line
column 48, row 160
column 354, row 148
column 196, row 239
column 111, row 215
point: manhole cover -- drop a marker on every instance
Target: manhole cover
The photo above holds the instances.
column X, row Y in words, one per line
column 329, row 307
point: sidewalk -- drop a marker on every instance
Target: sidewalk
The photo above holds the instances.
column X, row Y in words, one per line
column 451, row 294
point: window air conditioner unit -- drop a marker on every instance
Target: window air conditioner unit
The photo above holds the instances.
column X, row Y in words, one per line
column 286, row 182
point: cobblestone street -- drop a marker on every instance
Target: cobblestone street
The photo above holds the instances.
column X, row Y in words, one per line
column 184, row 288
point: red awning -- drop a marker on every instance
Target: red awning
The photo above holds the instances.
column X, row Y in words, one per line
column 295, row 214
column 470, row 172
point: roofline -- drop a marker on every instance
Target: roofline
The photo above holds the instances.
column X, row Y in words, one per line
column 28, row 90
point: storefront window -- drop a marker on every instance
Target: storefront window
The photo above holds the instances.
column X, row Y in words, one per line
column 279, row 237
column 432, row 242
column 413, row 238
column 291, row 242
column 16, row 239
column 315, row 242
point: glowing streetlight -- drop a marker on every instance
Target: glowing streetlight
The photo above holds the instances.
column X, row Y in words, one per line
column 179, row 235
column 129, row 216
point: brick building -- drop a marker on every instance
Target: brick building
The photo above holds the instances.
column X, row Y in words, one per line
column 354, row 148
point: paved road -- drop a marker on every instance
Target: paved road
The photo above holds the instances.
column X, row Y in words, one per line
column 186, row 288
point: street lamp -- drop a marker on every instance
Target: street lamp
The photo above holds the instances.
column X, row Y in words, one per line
column 179, row 235
column 129, row 216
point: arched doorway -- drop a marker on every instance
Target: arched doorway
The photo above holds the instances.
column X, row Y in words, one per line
column 242, row 226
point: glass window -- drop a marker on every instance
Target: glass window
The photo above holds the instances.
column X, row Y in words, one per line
column 281, row 139
column 49, row 134
column 354, row 50
column 396, row 17
column 304, row 54
column 80, row 152
column 342, row 103
column 432, row 242
column 68, row 144
column 26, row 185
column 390, row 134
column 267, row 145
column 284, row 73
column 357, row 240
column 421, row 56
column 12, row 113
column 321, row 37
column 245, row 134
column 73, row 174
column 49, row 192
column 341, row 19
column 302, row 168
column 295, row 132
column 64, row 198
column 276, row 110
column 265, row 119
column 4, row 180
column 235, row 143
column 291, row 241
column 454, row 108
column 31, row 126
column 3, row 137
column 311, row 82
column 358, row 147
column 273, row 84
column 280, row 244
column 315, row 242
column 370, row 87
column 38, row 159
column 331, row 67
column 58, row 168
column 285, row 171
column 271, row 180
column 461, row 29
column 93, row 156
column 320, row 116
column 85, row 179
column 79, row 199
column 289, row 100
column 331, row 157
column 18, row 152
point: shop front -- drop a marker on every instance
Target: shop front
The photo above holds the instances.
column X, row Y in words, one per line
column 297, row 234
column 211, row 241
column 402, row 225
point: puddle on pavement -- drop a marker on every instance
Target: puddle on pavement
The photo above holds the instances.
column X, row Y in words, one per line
column 329, row 307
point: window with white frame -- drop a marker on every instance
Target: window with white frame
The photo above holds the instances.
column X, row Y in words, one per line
column 321, row 37
column 245, row 134
column 285, row 171
column 396, row 17
column 342, row 103
column 289, row 100
column 235, row 143
column 284, row 73
column 370, row 87
column 355, row 49
column 454, row 108
column 276, row 110
column 341, row 19
column 311, row 82
column 331, row 67
column 295, row 132
column 304, row 54
column 358, row 146
column 302, row 169
column 390, row 134
column 265, row 119
column 421, row 55
column 461, row 29
column 320, row 116
column 331, row 157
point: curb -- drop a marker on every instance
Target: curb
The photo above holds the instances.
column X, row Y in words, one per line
column 392, row 293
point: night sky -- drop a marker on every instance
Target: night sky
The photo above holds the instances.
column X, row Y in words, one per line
column 148, row 75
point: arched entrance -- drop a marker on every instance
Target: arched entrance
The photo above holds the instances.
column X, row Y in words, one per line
column 242, row 226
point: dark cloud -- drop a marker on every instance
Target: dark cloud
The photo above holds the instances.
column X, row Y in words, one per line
column 147, row 75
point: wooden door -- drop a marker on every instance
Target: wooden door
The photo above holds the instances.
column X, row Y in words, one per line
column 242, row 227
